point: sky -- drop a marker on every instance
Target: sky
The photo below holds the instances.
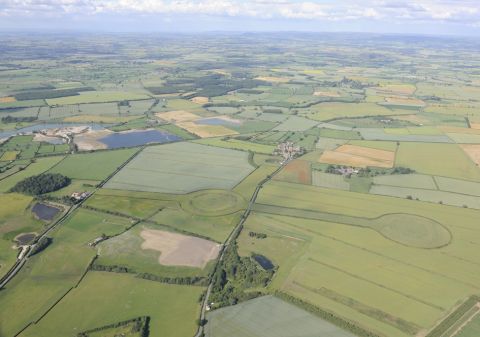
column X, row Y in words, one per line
column 437, row 17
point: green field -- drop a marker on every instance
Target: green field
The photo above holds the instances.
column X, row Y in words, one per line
column 93, row 166
column 97, row 97
column 327, row 180
column 174, row 168
column 268, row 317
column 172, row 309
column 406, row 180
column 15, row 218
column 294, row 123
column 383, row 285
column 472, row 329
column 446, row 160
column 331, row 111
column 50, row 274
column 442, row 197
column 40, row 165
column 237, row 144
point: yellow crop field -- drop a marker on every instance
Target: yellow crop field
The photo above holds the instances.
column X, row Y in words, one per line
column 358, row 156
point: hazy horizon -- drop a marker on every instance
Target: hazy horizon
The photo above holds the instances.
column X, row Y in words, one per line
column 426, row 17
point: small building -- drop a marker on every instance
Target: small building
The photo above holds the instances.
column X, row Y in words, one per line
column 79, row 196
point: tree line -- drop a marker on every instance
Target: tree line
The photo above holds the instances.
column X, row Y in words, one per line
column 42, row 183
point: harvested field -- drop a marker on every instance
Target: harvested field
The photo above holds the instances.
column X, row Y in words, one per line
column 358, row 156
column 182, row 168
column 8, row 99
column 99, row 119
column 200, row 100
column 326, row 94
column 404, row 101
column 177, row 116
column 9, row 155
column 205, row 131
column 179, row 250
column 268, row 316
column 401, row 89
column 415, row 119
column 297, row 171
column 273, row 79
column 473, row 151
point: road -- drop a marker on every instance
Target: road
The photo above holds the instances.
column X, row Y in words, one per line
column 233, row 236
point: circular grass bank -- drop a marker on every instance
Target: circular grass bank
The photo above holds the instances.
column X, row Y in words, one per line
column 412, row 230
column 213, row 203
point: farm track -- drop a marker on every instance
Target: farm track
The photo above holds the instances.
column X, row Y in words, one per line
column 233, row 236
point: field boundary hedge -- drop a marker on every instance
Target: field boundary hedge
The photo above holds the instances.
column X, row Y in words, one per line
column 328, row 316
column 141, row 325
column 454, row 317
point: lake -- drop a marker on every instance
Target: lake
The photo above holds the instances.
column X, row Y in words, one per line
column 45, row 212
column 137, row 138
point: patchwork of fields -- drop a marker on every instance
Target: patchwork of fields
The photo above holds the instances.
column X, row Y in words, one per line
column 175, row 169
column 388, row 287
column 313, row 185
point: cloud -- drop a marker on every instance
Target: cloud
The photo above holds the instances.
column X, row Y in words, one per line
column 396, row 11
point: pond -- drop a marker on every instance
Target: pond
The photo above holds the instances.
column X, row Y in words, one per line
column 136, row 138
column 45, row 212
column 25, row 239
column 263, row 261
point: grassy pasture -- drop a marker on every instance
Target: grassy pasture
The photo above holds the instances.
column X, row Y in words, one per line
column 174, row 168
column 92, row 166
column 406, row 180
column 295, row 123
column 379, row 134
column 237, row 144
column 443, row 197
column 327, row 180
column 426, row 158
column 268, row 316
column 40, row 165
column 172, row 309
column 331, row 111
column 48, row 275
column 97, row 97
column 128, row 250
column 15, row 218
column 128, row 205
column 357, row 273
column 471, row 329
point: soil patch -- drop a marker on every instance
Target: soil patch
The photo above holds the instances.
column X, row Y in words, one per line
column 179, row 250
